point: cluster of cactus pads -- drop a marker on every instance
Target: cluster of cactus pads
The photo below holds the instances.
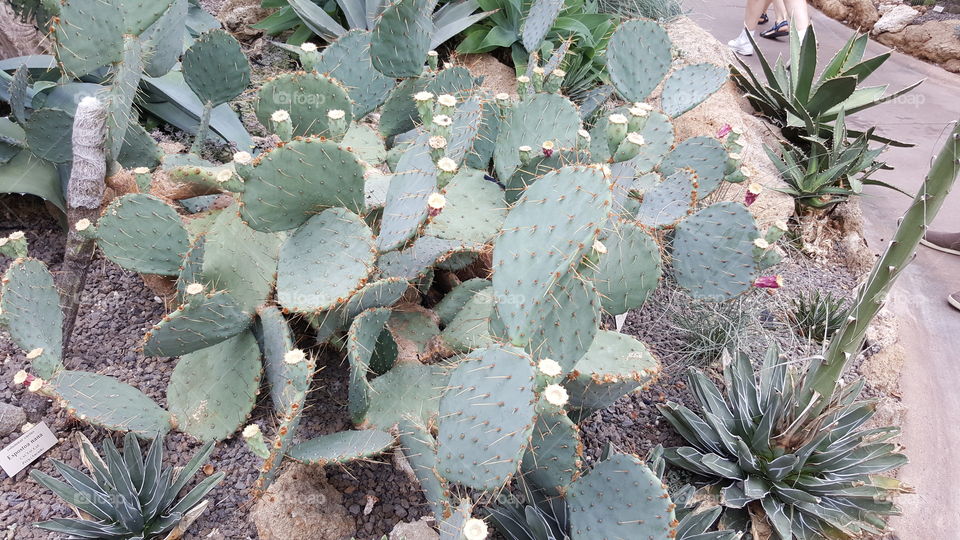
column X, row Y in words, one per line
column 516, row 224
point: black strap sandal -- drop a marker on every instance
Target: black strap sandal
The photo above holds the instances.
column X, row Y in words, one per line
column 779, row 30
column 764, row 19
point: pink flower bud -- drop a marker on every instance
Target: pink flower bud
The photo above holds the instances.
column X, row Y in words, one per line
column 724, row 131
column 769, row 282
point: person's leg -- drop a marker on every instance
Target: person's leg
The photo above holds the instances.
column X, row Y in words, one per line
column 741, row 45
column 781, row 24
column 779, row 11
column 798, row 14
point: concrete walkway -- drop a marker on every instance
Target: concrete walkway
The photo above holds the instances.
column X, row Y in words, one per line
column 930, row 328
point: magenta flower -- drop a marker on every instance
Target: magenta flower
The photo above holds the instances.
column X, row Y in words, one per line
column 769, row 282
column 547, row 148
column 724, row 131
column 753, row 192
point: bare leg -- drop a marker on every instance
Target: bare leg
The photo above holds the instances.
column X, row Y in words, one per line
column 752, row 13
column 799, row 15
column 779, row 11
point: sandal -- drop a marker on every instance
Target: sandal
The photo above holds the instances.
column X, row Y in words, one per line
column 779, row 30
column 764, row 19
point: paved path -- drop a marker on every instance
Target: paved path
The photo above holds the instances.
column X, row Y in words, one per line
column 930, row 328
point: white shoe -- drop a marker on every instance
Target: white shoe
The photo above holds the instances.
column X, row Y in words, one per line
column 741, row 45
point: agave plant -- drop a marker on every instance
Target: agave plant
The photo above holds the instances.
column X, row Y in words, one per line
column 830, row 171
column 306, row 18
column 127, row 495
column 817, row 316
column 810, row 475
column 802, row 102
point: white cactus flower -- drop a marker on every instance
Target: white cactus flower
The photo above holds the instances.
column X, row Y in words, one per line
column 780, row 224
column 3, row 241
column 16, row 235
column 549, row 367
column 251, row 431
column 224, row 175
column 617, row 119
column 443, row 120
column 35, row 353
column 446, row 100
column 736, row 156
column 243, row 158
column 309, row 47
column 437, row 142
column 423, row 96
column 525, row 148
column 559, row 73
column 636, row 139
column 82, row 224
column 503, row 96
column 547, row 145
column 638, row 111
column 475, row 529
column 20, row 377
column 641, row 105
column 747, row 172
column 433, row 53
column 599, row 247
column 738, row 130
column 280, row 116
column 754, row 187
column 446, row 164
column 436, row 201
column 141, row 170
column 35, row 385
column 584, row 134
column 336, row 114
column 194, row 288
column 761, row 243
column 294, row 356
column 555, row 395
column 523, row 79
column 538, row 70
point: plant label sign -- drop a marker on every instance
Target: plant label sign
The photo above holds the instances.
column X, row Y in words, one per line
column 27, row 448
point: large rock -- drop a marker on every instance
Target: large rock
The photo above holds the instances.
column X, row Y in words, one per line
column 11, row 418
column 300, row 505
column 727, row 106
column 415, row 530
column 857, row 13
column 934, row 41
column 895, row 19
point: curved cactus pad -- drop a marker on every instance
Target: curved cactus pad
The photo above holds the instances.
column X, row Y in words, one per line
column 325, row 261
column 486, row 417
column 531, row 122
column 293, row 182
column 196, row 324
column 362, row 340
column 713, row 251
column 470, row 328
column 555, row 455
column 215, row 68
column 307, row 97
column 109, row 403
column 620, row 498
column 689, row 86
column 144, row 234
column 288, row 381
column 545, row 235
column 705, row 155
column 417, row 260
column 401, row 38
column 212, row 391
column 348, row 60
column 669, row 201
column 342, row 447
column 615, row 365
column 566, row 323
column 474, row 211
column 630, row 269
column 408, row 391
column 30, row 311
column 406, row 204
column 420, row 449
column 638, row 56
column 454, row 300
column 240, row 260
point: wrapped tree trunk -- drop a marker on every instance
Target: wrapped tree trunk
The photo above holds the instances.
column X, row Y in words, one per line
column 84, row 196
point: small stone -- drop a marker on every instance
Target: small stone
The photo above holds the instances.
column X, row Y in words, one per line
column 11, row 418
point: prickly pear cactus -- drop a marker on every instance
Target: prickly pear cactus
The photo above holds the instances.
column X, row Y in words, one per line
column 30, row 312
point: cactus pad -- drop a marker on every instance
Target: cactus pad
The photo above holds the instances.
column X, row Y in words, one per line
column 406, row 391
column 453, row 301
column 470, row 329
column 240, row 260
column 486, row 417
column 325, row 261
column 544, row 235
column 539, row 20
column 366, row 143
column 288, row 381
column 420, row 449
column 630, row 269
column 291, row 183
column 713, row 251
column 474, row 211
column 705, row 155
column 203, row 320
column 109, row 403
column 308, row 97
column 638, row 57
column 348, row 60
column 401, row 38
column 620, row 498
column 566, row 323
column 689, row 86
column 365, row 331
column 212, row 391
column 615, row 365
column 144, row 234
column 342, row 447
column 215, row 68
column 406, row 205
column 48, row 133
column 658, row 136
column 530, row 122
column 416, row 261
column 30, row 311
column 555, row 455
column 668, row 202
column 538, row 166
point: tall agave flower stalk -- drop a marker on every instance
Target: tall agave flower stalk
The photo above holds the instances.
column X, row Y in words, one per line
column 822, row 379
